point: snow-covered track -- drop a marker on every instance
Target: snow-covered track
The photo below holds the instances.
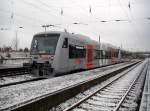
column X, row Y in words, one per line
column 48, row 101
column 20, row 82
column 115, row 95
column 4, row 72
column 130, row 101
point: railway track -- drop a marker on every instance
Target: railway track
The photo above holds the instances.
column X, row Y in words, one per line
column 13, row 71
column 119, row 94
column 12, row 75
column 21, row 77
column 20, row 82
column 44, row 102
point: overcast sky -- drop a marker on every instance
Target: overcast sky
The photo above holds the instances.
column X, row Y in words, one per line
column 132, row 32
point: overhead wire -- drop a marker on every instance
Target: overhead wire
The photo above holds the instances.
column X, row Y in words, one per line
column 51, row 12
column 22, row 16
column 27, row 20
column 131, row 22
column 62, row 17
column 39, row 8
column 58, row 8
column 74, row 3
column 47, row 11
column 35, row 6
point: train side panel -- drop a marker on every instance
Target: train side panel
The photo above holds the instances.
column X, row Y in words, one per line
column 75, row 52
column 61, row 61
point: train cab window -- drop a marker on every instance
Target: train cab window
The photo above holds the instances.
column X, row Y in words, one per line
column 44, row 44
column 65, row 43
column 35, row 44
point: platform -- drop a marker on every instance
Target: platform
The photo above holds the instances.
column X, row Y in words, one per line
column 145, row 102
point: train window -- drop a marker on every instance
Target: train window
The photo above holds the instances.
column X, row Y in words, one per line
column 76, row 51
column 71, row 51
column 107, row 55
column 65, row 43
column 35, row 44
column 44, row 44
column 101, row 54
column 96, row 54
column 117, row 52
column 80, row 51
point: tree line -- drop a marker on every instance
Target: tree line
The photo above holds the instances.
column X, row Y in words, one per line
column 10, row 49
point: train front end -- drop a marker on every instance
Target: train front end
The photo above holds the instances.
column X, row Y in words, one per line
column 43, row 49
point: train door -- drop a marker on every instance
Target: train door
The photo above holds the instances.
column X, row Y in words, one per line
column 89, row 56
column 63, row 57
column 101, row 58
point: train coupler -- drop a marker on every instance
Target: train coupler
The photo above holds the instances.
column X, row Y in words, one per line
column 42, row 69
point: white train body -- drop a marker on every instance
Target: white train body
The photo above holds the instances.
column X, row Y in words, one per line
column 55, row 52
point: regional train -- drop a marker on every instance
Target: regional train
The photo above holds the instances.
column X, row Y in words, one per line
column 56, row 52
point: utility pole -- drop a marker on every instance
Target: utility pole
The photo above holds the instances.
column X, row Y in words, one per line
column 16, row 41
column 99, row 50
column 16, row 38
column 99, row 42
column 46, row 26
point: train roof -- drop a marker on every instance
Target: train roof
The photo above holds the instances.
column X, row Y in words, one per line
column 104, row 46
column 50, row 32
column 72, row 35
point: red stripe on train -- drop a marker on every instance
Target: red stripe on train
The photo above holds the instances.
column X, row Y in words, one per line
column 112, row 56
column 89, row 65
column 89, row 56
column 77, row 61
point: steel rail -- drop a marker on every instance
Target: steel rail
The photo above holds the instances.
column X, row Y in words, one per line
column 127, row 92
column 13, row 71
column 87, row 97
column 21, row 82
column 47, row 101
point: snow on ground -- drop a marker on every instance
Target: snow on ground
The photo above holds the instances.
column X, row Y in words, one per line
column 12, row 79
column 82, row 95
column 19, row 54
column 13, row 95
column 14, row 62
column 11, row 62
column 15, row 54
column 114, row 93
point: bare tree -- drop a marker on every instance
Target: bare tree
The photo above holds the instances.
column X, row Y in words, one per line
column 26, row 49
